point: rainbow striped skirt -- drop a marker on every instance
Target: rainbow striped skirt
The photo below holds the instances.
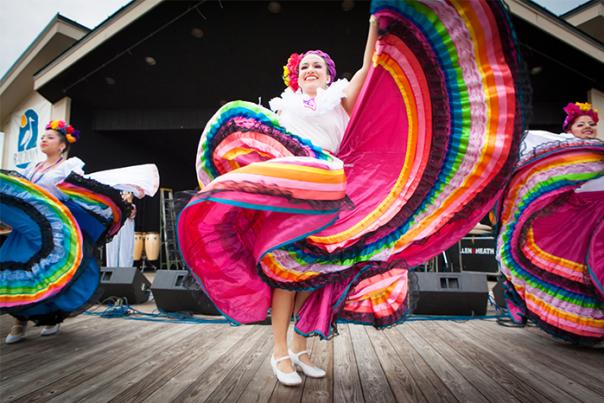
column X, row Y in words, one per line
column 551, row 241
column 429, row 147
column 47, row 266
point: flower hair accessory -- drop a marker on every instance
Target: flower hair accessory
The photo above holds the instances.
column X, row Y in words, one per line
column 577, row 109
column 71, row 135
column 291, row 69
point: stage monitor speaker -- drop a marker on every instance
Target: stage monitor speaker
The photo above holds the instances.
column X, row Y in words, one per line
column 124, row 282
column 451, row 294
column 177, row 291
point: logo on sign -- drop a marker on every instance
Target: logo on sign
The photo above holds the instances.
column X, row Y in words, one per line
column 28, row 139
column 477, row 251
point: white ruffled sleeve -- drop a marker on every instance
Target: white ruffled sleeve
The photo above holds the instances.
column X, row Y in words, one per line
column 73, row 164
column 141, row 180
column 276, row 104
column 332, row 96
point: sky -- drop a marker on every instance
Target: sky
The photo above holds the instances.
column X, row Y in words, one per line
column 22, row 20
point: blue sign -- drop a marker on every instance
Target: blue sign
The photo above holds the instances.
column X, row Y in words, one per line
column 28, row 139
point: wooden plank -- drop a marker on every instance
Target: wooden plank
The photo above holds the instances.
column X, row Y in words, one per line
column 152, row 359
column 282, row 393
column 491, row 363
column 35, row 343
column 587, row 362
column 81, row 370
column 24, row 356
column 190, row 373
column 320, row 390
column 200, row 389
column 473, row 374
column 346, row 382
column 557, row 349
column 591, row 359
column 451, row 377
column 428, row 382
column 7, row 321
column 404, row 388
column 264, row 382
column 100, row 359
column 248, row 371
column 562, row 374
column 51, row 369
column 373, row 380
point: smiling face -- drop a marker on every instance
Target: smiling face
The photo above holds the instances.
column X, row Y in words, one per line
column 52, row 143
column 584, row 127
column 313, row 74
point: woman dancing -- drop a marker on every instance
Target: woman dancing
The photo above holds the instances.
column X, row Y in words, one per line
column 47, row 267
column 318, row 211
column 551, row 240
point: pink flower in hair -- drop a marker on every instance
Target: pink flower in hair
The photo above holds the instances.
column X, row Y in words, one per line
column 290, row 71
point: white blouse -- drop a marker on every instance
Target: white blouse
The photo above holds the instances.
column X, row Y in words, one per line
column 322, row 120
column 534, row 138
column 49, row 179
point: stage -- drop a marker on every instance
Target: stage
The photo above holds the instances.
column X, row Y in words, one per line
column 95, row 359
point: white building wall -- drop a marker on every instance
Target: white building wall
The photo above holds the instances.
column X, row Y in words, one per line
column 24, row 127
column 596, row 98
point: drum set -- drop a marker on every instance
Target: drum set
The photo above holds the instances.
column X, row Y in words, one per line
column 147, row 242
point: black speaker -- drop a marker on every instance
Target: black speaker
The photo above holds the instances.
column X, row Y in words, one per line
column 451, row 294
column 124, row 282
column 177, row 291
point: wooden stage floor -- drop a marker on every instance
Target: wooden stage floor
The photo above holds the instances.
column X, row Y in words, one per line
column 97, row 360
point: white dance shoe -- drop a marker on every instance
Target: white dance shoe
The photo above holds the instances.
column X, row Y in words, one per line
column 17, row 333
column 309, row 370
column 286, row 378
column 50, row 330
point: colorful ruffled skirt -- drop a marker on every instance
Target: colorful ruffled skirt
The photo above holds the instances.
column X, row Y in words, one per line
column 430, row 144
column 47, row 264
column 551, row 241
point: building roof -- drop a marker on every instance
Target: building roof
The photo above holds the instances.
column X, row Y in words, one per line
column 58, row 36
column 589, row 18
column 524, row 9
column 106, row 30
column 545, row 20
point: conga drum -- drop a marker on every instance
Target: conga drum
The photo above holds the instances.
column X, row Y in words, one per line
column 152, row 246
column 139, row 240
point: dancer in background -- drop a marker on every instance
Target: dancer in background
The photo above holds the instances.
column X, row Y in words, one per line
column 320, row 209
column 550, row 245
column 47, row 267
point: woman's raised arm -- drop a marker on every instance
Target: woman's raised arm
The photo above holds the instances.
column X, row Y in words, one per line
column 353, row 89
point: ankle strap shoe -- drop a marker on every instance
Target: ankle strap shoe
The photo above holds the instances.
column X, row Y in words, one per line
column 286, row 378
column 309, row 370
